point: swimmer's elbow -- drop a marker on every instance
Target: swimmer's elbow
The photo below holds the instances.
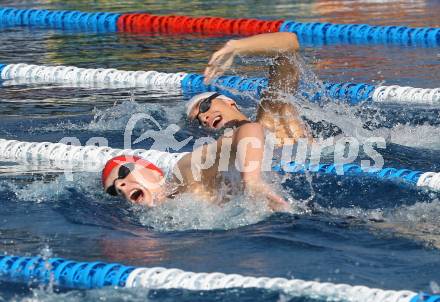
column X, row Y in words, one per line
column 292, row 38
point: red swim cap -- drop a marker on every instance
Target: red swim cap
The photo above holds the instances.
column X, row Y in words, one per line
column 123, row 159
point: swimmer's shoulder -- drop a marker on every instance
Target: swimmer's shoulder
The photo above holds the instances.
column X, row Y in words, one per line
column 250, row 129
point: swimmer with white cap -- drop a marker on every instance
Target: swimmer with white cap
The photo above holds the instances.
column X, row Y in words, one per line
column 151, row 181
column 216, row 111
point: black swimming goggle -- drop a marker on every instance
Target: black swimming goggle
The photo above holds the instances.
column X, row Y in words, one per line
column 205, row 104
column 123, row 172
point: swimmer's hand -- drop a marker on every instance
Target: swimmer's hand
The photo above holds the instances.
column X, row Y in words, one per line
column 220, row 61
column 275, row 202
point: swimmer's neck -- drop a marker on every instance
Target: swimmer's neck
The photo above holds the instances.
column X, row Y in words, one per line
column 236, row 123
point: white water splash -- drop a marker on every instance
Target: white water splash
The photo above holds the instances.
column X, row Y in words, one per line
column 116, row 117
column 185, row 213
column 423, row 136
column 108, row 294
column 418, row 221
column 54, row 187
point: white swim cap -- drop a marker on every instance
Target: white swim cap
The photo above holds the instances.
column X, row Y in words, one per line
column 195, row 100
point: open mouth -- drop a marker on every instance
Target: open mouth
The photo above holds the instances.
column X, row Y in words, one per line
column 137, row 196
column 216, row 122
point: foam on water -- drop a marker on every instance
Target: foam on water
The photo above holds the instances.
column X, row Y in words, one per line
column 54, row 186
column 105, row 294
column 116, row 117
column 346, row 118
column 423, row 136
column 144, row 295
column 185, row 213
column 418, row 221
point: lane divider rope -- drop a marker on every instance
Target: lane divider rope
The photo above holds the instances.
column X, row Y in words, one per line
column 363, row 33
column 314, row 32
column 68, row 20
column 94, row 157
column 87, row 275
column 138, row 23
column 353, row 93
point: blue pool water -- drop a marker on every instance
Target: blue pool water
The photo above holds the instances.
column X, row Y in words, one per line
column 368, row 232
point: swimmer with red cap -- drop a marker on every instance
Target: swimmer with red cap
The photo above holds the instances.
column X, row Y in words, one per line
column 151, row 180
column 216, row 111
column 129, row 176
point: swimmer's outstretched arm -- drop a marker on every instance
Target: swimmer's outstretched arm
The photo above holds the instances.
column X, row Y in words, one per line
column 245, row 151
column 274, row 112
column 265, row 44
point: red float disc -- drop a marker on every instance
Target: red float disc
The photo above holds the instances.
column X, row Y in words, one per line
column 141, row 23
column 245, row 27
column 225, row 26
column 177, row 25
column 212, row 24
column 129, row 22
column 155, row 24
column 276, row 25
column 201, row 24
column 237, row 25
column 189, row 25
column 256, row 27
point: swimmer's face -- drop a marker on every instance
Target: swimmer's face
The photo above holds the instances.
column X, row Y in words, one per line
column 218, row 113
column 137, row 184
